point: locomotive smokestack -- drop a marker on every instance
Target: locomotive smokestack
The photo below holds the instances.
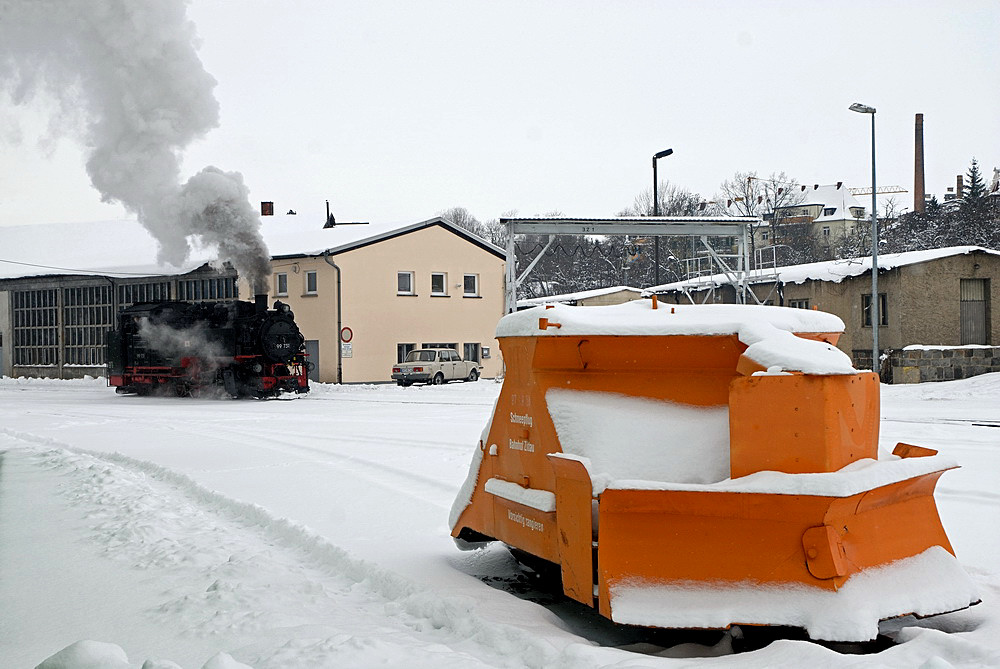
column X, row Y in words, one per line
column 260, row 301
column 918, row 164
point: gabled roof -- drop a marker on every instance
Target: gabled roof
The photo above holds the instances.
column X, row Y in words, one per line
column 833, row 196
column 830, row 270
column 125, row 248
column 297, row 239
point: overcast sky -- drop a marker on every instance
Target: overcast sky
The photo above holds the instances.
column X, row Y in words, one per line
column 395, row 111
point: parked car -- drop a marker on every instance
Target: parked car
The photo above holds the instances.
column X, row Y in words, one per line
column 434, row 365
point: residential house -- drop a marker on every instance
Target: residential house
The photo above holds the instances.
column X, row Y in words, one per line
column 399, row 288
column 826, row 213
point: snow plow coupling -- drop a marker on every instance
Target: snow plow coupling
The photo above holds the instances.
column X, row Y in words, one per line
column 700, row 466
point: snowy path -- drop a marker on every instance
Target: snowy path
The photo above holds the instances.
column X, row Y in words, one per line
column 312, row 533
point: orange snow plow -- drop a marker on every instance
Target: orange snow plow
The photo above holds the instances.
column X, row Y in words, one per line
column 700, row 466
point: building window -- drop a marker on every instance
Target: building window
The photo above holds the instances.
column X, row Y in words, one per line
column 866, row 310
column 798, row 304
column 439, row 284
column 133, row 293
column 200, row 290
column 311, row 284
column 471, row 285
column 404, row 283
column 87, row 316
column 829, row 211
column 471, row 352
column 36, row 337
column 439, row 345
column 402, row 350
column 281, row 284
column 826, row 230
column 764, row 235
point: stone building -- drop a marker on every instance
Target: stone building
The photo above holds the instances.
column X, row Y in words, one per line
column 938, row 297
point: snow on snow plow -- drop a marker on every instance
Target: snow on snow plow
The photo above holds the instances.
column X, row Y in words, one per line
column 700, row 466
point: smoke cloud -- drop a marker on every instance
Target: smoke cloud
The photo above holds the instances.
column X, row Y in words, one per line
column 126, row 78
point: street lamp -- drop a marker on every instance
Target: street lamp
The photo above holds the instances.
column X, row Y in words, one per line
column 656, row 212
column 874, row 305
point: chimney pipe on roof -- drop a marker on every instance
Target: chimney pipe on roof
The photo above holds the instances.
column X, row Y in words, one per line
column 959, row 187
column 918, row 164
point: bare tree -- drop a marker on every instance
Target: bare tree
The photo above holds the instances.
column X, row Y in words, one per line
column 491, row 230
column 674, row 201
column 746, row 194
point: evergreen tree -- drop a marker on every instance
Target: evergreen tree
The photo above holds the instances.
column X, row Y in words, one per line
column 976, row 188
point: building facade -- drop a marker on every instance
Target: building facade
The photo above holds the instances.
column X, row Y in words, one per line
column 940, row 297
column 56, row 325
column 421, row 285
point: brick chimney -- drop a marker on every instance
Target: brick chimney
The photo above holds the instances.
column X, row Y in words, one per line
column 959, row 187
column 918, row 164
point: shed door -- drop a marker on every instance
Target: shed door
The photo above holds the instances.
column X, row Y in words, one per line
column 973, row 313
column 312, row 350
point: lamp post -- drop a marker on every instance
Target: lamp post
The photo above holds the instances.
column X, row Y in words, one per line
column 656, row 212
column 874, row 305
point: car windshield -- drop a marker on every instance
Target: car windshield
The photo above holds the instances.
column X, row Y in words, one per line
column 420, row 356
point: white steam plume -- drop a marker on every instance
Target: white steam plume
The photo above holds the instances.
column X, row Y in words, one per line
column 126, row 76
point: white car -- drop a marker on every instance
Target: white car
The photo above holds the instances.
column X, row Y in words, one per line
column 434, row 365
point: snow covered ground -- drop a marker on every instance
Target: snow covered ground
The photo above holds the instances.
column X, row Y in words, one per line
column 313, row 533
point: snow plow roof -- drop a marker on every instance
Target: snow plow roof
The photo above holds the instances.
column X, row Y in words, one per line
column 638, row 318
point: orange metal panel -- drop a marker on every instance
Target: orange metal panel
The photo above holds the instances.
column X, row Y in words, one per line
column 661, row 535
column 826, row 422
column 574, row 518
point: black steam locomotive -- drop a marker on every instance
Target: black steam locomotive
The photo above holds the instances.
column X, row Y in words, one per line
column 185, row 348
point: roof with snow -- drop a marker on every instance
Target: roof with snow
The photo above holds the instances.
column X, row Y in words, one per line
column 639, row 318
column 833, row 196
column 576, row 297
column 830, row 270
column 125, row 248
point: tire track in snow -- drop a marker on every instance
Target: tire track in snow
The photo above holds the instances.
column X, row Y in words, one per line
column 119, row 490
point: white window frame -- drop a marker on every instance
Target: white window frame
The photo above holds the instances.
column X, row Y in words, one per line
column 465, row 285
column 281, row 284
column 444, row 284
column 409, row 275
column 314, row 275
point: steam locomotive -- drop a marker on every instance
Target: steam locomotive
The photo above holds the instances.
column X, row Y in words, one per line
column 241, row 348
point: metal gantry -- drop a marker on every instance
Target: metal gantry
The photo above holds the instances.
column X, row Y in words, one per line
column 701, row 227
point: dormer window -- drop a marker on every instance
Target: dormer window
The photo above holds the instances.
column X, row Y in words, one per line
column 829, row 211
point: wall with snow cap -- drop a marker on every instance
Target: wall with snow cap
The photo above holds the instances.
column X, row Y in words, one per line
column 918, row 364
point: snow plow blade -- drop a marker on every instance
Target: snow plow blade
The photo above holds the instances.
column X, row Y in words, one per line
column 704, row 466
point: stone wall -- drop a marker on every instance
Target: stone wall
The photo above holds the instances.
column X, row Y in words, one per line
column 941, row 363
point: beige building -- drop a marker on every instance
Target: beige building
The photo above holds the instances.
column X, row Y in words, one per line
column 426, row 284
column 938, row 297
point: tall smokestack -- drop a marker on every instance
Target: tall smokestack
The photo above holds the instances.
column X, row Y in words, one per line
column 918, row 164
column 959, row 187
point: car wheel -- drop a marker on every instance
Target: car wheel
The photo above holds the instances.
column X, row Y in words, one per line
column 438, row 379
column 402, row 384
column 473, row 375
